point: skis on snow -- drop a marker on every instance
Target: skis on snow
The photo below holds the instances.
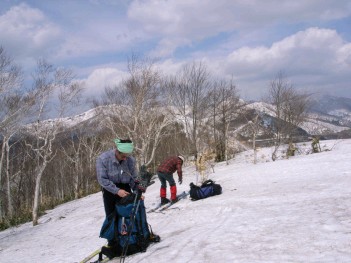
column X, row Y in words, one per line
column 155, row 208
column 168, row 205
column 160, row 207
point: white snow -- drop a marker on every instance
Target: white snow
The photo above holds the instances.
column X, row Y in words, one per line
column 317, row 127
column 341, row 113
column 263, row 107
column 296, row 210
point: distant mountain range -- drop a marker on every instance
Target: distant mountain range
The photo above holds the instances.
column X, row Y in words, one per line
column 326, row 104
column 335, row 110
column 328, row 117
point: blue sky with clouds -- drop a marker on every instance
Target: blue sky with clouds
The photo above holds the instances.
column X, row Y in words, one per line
column 252, row 40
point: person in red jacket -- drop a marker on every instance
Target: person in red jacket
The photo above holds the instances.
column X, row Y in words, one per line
column 165, row 174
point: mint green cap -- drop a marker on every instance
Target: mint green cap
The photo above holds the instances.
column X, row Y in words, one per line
column 124, row 146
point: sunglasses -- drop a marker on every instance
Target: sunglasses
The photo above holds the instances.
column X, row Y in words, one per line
column 125, row 141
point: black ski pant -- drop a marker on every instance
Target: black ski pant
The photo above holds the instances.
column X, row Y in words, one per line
column 110, row 201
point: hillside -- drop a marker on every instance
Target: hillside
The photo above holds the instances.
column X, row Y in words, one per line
column 295, row 210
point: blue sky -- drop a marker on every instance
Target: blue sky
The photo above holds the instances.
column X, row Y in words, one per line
column 252, row 40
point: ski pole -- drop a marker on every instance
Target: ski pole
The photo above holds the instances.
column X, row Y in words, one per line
column 136, row 204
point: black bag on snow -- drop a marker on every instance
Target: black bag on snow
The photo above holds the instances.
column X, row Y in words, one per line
column 119, row 228
column 207, row 189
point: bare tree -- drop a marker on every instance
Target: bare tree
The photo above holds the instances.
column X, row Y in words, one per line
column 254, row 127
column 176, row 96
column 225, row 107
column 213, row 102
column 80, row 151
column 73, row 153
column 289, row 107
column 189, row 97
column 15, row 103
column 136, row 108
column 92, row 147
column 47, row 80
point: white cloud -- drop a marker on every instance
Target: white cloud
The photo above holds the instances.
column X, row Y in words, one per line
column 167, row 46
column 343, row 56
column 101, row 78
column 170, row 67
column 315, row 59
column 181, row 22
column 311, row 51
column 259, row 38
column 310, row 59
column 27, row 32
column 97, row 37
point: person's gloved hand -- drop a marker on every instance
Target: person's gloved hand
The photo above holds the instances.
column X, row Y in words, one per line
column 180, row 180
column 142, row 188
column 145, row 176
column 141, row 184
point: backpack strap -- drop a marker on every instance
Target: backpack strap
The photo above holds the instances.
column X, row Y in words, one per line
column 141, row 239
column 207, row 183
column 123, row 227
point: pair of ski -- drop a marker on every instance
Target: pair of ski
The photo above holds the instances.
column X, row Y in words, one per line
column 161, row 207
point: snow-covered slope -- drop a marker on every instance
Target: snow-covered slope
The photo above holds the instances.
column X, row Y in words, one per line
column 313, row 125
column 295, row 210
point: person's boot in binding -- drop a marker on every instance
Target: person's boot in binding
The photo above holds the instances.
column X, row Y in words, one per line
column 174, row 194
column 163, row 194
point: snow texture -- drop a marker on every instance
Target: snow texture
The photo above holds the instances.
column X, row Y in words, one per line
column 296, row 210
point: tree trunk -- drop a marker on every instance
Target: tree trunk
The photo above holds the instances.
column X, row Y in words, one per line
column 8, row 179
column 76, row 188
column 254, row 147
column 1, row 168
column 226, row 143
column 37, row 192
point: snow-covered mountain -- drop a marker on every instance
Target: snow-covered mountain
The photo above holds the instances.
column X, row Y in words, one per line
column 327, row 104
column 295, row 210
column 329, row 117
column 88, row 120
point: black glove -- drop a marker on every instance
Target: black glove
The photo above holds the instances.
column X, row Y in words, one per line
column 180, row 180
column 142, row 188
column 145, row 176
column 141, row 185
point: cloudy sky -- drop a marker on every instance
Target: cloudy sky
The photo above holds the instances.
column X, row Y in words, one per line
column 252, row 40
